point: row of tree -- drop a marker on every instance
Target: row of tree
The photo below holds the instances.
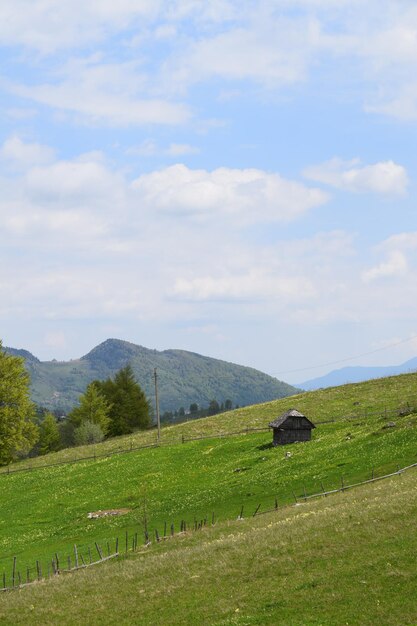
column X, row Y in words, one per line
column 108, row 408
column 195, row 411
column 116, row 406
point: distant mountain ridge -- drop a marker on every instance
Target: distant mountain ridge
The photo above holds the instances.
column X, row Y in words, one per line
column 357, row 374
column 183, row 377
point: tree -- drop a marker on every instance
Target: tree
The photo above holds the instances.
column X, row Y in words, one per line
column 194, row 408
column 228, row 405
column 18, row 432
column 49, row 436
column 213, row 408
column 129, row 406
column 94, row 408
column 88, row 433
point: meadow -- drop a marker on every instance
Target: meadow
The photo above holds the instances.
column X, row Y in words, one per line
column 45, row 511
column 367, row 399
column 346, row 559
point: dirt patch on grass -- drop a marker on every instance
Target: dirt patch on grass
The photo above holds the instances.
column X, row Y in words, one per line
column 98, row 514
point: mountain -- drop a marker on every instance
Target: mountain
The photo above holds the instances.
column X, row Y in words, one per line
column 183, row 377
column 357, row 375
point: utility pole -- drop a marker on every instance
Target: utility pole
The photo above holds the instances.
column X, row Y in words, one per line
column 158, row 421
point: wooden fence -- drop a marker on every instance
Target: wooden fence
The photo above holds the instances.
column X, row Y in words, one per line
column 402, row 408
column 78, row 560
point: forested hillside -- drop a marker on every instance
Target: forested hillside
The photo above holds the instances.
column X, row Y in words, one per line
column 184, row 377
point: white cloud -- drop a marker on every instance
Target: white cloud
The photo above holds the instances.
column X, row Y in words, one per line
column 254, row 285
column 402, row 104
column 181, row 149
column 267, row 50
column 395, row 265
column 70, row 182
column 16, row 152
column 398, row 250
column 55, row 339
column 149, row 147
column 48, row 26
column 385, row 177
column 250, row 195
column 100, row 93
column 402, row 241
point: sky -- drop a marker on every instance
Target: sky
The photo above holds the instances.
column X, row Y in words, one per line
column 237, row 179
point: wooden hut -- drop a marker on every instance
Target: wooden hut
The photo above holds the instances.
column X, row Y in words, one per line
column 291, row 427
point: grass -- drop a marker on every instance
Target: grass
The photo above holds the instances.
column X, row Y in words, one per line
column 346, row 559
column 45, row 511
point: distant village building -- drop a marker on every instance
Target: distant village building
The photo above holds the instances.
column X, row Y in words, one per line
column 291, row 427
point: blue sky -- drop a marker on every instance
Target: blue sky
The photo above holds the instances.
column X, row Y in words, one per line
column 235, row 179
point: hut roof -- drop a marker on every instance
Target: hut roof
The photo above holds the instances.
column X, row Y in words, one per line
column 290, row 413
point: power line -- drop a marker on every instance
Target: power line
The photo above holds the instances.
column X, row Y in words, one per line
column 350, row 358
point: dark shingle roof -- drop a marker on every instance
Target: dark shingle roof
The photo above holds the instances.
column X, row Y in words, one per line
column 290, row 413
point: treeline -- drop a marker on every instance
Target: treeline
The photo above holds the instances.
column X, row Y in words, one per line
column 116, row 406
column 195, row 411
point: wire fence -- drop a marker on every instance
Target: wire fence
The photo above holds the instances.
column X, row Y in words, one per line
column 401, row 409
column 18, row 578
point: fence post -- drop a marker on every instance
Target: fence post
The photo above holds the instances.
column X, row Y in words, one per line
column 256, row 510
column 323, row 489
column 14, row 571
column 76, row 555
column 98, row 550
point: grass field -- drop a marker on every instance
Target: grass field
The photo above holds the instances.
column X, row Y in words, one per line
column 340, row 560
column 45, row 511
column 348, row 559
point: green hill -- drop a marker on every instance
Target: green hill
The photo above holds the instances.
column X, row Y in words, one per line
column 46, row 510
column 184, row 377
column 345, row 559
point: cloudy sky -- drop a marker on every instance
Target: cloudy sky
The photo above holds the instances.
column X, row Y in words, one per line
column 236, row 179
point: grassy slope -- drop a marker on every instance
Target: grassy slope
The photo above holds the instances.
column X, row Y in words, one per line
column 347, row 559
column 357, row 399
column 46, row 510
